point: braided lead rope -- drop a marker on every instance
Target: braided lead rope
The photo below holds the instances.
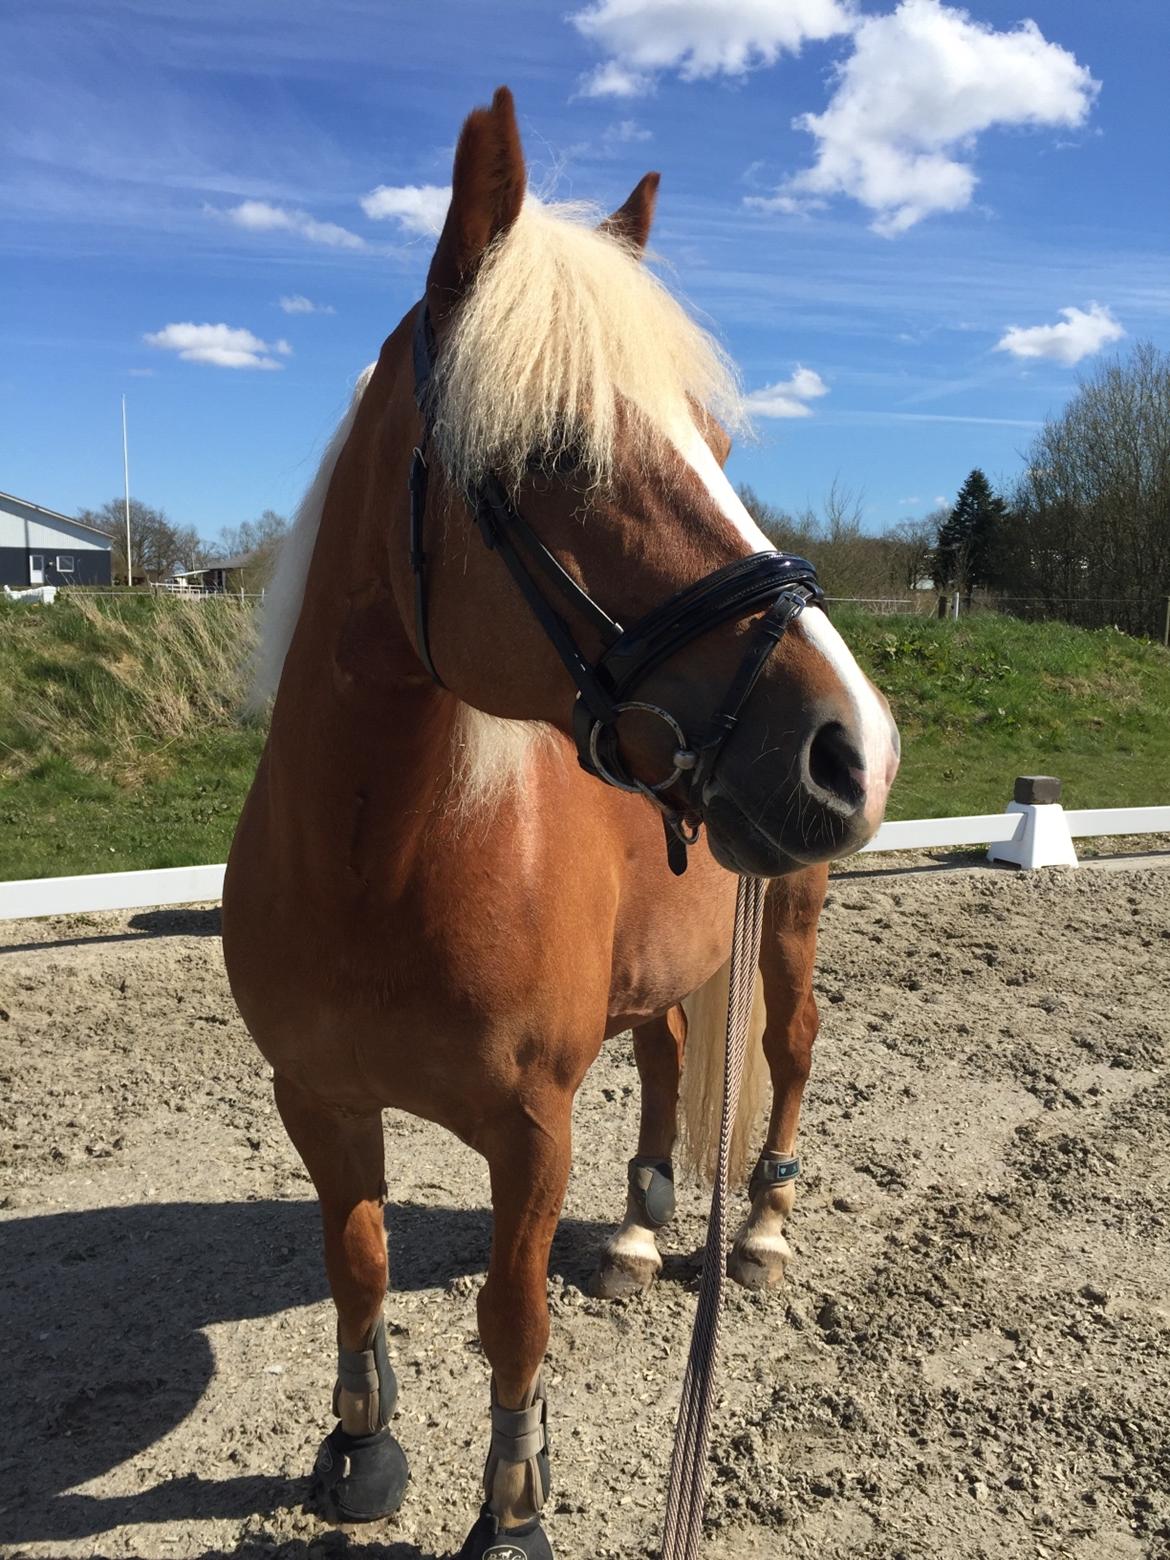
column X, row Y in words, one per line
column 686, row 1499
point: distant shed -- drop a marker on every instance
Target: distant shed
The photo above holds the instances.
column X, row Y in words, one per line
column 40, row 547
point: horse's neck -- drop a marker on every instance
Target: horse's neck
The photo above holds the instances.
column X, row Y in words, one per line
column 353, row 707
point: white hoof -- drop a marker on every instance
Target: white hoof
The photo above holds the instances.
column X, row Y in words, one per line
column 758, row 1260
column 628, row 1265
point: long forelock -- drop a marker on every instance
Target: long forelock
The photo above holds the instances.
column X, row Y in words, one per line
column 563, row 323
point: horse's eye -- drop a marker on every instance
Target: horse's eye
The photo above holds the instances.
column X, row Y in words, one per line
column 562, row 462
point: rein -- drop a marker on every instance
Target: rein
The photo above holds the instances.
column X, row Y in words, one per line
column 686, row 1497
column 777, row 584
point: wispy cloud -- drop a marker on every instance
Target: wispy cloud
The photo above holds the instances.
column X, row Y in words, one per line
column 625, row 133
column 417, row 208
column 297, row 303
column 225, row 346
column 1080, row 334
column 643, row 37
column 921, row 83
column 787, row 397
column 260, row 216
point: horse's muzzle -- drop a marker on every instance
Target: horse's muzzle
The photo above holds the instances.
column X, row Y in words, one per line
column 815, row 809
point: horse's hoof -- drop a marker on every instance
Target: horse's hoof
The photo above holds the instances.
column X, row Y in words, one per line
column 359, row 1478
column 488, row 1541
column 758, row 1261
column 627, row 1266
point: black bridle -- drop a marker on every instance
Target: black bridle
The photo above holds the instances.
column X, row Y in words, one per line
column 778, row 584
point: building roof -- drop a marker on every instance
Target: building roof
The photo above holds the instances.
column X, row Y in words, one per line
column 239, row 562
column 54, row 514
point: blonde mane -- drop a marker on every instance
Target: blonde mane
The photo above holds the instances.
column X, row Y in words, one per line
column 563, row 321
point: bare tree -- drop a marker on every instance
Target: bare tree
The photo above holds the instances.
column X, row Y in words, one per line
column 1087, row 535
column 158, row 547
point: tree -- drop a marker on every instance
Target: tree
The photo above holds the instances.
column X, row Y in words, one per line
column 913, row 544
column 1089, row 534
column 964, row 552
column 258, row 542
column 157, row 546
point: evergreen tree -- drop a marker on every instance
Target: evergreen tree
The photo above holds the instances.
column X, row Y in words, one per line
column 964, row 552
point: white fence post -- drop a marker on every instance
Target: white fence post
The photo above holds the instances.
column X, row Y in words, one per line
column 1045, row 839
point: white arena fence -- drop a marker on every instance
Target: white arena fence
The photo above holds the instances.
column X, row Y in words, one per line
column 1027, row 834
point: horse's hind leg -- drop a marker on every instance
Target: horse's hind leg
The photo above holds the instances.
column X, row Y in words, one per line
column 630, row 1260
column 787, row 952
column 528, row 1153
column 361, row 1471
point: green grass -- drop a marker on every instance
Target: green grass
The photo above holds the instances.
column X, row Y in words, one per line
column 120, row 741
column 121, row 745
column 988, row 698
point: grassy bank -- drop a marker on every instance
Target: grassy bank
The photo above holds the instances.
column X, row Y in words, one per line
column 987, row 698
column 120, row 741
column 121, row 745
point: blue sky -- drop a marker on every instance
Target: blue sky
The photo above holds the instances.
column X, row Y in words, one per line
column 864, row 199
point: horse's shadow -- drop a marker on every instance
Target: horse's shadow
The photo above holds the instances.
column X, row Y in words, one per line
column 102, row 1348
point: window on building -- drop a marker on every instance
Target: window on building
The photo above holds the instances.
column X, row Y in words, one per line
column 64, row 563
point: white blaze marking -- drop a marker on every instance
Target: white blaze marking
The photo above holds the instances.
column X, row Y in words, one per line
column 872, row 725
column 695, row 450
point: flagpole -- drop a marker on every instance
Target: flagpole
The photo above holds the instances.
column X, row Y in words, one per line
column 126, row 474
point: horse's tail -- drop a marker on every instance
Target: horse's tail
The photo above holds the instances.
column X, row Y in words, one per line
column 701, row 1093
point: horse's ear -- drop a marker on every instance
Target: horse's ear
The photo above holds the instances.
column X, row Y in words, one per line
column 487, row 191
column 631, row 222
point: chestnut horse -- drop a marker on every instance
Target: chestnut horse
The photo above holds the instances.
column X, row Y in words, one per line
column 430, row 903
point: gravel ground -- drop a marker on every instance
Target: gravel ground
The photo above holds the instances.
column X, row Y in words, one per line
column 971, row 1357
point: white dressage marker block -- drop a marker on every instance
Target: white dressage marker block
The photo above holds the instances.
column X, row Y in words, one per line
column 1043, row 841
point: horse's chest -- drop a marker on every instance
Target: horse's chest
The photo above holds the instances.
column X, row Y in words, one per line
column 669, row 939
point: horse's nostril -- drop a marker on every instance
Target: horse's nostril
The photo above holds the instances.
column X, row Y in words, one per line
column 836, row 769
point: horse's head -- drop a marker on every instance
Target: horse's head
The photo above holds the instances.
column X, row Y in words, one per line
column 571, row 405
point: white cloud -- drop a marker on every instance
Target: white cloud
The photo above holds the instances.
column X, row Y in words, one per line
column 1079, row 336
column 614, row 80
column 259, row 216
column 297, row 303
column 788, row 397
column 731, row 37
column 417, row 208
column 625, row 133
column 921, row 83
column 223, row 345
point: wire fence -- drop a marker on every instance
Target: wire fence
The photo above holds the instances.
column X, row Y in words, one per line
column 1145, row 616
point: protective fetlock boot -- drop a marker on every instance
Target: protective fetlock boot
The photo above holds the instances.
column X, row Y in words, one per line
column 516, row 1476
column 361, row 1474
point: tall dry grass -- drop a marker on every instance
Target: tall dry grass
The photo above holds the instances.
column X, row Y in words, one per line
column 109, row 684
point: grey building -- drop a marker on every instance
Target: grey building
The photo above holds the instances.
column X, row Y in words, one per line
column 40, row 547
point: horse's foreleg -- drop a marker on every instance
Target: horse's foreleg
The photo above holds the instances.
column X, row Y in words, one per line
column 361, row 1469
column 787, row 954
column 528, row 1154
column 630, row 1261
